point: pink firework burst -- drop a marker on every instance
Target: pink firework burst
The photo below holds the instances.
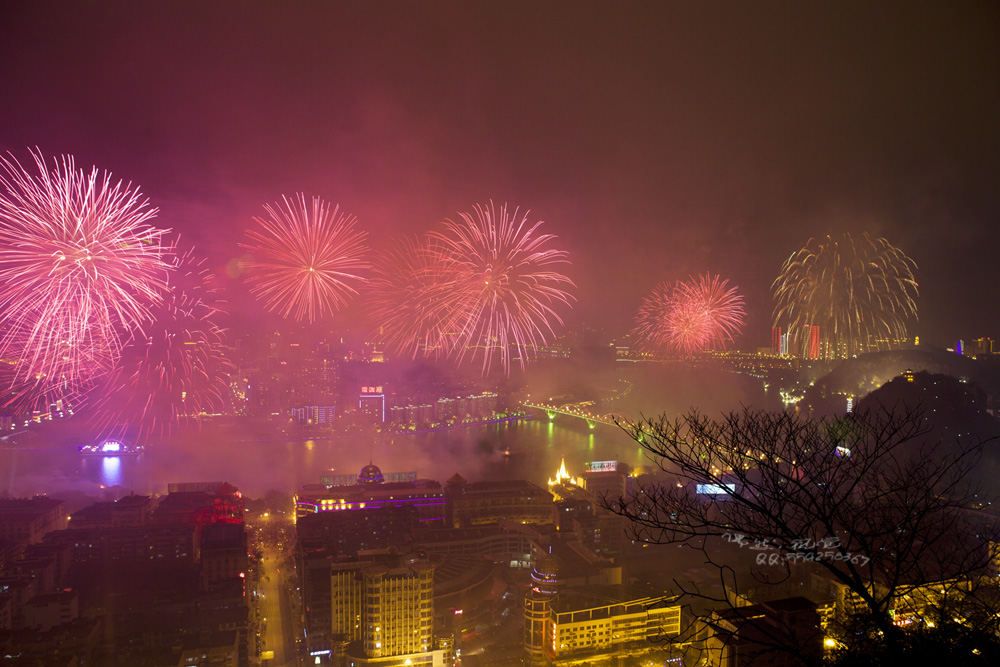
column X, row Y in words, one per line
column 305, row 258
column 81, row 269
column 650, row 329
column 409, row 298
column 503, row 287
column 175, row 371
column 40, row 394
column 692, row 316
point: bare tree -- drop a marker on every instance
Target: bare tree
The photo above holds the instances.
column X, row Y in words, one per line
column 868, row 498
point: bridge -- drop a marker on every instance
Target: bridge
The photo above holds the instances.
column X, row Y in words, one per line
column 573, row 410
column 584, row 409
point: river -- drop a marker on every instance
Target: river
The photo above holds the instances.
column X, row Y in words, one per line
column 529, row 449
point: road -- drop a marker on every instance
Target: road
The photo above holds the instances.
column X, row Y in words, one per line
column 278, row 609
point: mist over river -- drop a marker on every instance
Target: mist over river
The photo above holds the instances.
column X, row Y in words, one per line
column 529, row 449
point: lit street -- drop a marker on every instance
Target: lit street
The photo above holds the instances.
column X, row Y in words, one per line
column 276, row 588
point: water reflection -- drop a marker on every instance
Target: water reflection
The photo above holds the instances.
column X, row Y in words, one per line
column 240, row 452
column 111, row 471
column 530, row 449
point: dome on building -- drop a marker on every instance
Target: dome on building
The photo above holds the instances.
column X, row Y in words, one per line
column 370, row 474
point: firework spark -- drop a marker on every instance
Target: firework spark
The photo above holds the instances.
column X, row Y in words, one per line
column 859, row 292
column 305, row 258
column 707, row 313
column 81, row 269
column 175, row 371
column 700, row 314
column 503, row 289
column 409, row 298
column 651, row 330
column 36, row 395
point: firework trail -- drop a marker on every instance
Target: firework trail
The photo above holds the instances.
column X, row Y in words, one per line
column 504, row 290
column 81, row 269
column 173, row 372
column 409, row 298
column 707, row 313
column 700, row 314
column 650, row 330
column 304, row 258
column 41, row 394
column 859, row 292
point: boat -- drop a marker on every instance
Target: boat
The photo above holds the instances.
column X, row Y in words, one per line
column 111, row 448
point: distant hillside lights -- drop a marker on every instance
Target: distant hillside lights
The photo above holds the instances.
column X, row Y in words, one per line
column 787, row 398
column 977, row 348
column 810, row 342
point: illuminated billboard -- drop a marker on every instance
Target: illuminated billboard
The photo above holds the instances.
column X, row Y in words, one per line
column 715, row 489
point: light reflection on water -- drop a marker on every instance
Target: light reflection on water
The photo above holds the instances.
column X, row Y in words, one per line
column 244, row 455
column 530, row 449
column 111, row 471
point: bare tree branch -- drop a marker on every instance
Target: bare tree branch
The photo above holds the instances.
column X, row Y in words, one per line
column 869, row 499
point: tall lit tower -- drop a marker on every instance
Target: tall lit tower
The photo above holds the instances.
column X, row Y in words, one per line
column 398, row 609
column 386, row 606
column 779, row 341
column 538, row 633
column 810, row 337
column 372, row 403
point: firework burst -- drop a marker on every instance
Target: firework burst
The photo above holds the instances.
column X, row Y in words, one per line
column 81, row 269
column 700, row 314
column 409, row 298
column 503, row 288
column 305, row 258
column 173, row 372
column 859, row 292
column 36, row 395
column 650, row 330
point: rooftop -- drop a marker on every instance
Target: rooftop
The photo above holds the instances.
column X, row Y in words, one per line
column 596, row 596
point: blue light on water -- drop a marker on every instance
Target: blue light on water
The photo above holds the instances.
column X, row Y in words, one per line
column 111, row 471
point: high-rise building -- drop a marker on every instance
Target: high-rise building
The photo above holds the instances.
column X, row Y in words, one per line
column 605, row 479
column 27, row 520
column 224, row 558
column 983, row 346
column 566, row 625
column 538, row 601
column 382, row 612
column 812, row 350
column 398, row 609
column 479, row 503
column 130, row 510
column 748, row 635
column 201, row 503
column 314, row 415
column 372, row 403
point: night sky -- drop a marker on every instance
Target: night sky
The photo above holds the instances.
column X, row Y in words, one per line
column 656, row 139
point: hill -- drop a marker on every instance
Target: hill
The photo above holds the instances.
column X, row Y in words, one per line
column 863, row 374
